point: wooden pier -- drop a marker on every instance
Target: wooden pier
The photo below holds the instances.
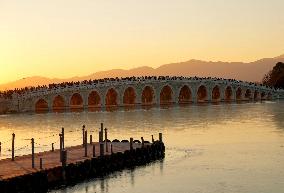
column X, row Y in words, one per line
column 39, row 172
column 51, row 159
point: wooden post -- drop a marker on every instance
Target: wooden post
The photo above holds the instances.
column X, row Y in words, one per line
column 102, row 127
column 153, row 139
column 40, row 163
column 62, row 133
column 160, row 137
column 94, row 150
column 64, row 163
column 13, row 147
column 106, row 139
column 111, row 149
column 86, row 144
column 131, row 143
column 52, row 147
column 101, row 133
column 64, row 158
column 101, row 149
column 33, row 153
column 60, row 147
column 83, row 131
column 91, row 139
column 142, row 141
column 100, row 137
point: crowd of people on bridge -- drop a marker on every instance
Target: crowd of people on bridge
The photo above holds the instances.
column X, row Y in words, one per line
column 9, row 93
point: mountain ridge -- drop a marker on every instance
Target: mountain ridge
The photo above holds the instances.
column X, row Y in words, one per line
column 251, row 71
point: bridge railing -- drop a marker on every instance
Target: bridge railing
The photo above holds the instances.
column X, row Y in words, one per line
column 115, row 82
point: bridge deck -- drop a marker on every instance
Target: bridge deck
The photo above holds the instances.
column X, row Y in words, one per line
column 23, row 164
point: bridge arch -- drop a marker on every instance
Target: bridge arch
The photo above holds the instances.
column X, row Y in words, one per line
column 41, row 106
column 148, row 95
column 129, row 96
column 269, row 96
column 94, row 100
column 239, row 94
column 76, row 102
column 202, row 95
column 228, row 95
column 263, row 96
column 111, row 98
column 58, row 104
column 248, row 94
column 166, row 95
column 256, row 95
column 216, row 94
column 185, row 95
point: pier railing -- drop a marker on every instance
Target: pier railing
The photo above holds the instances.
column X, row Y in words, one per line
column 41, row 171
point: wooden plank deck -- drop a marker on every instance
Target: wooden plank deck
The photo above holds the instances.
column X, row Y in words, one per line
column 23, row 164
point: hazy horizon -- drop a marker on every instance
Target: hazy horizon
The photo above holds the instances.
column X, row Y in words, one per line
column 72, row 38
column 252, row 72
column 136, row 67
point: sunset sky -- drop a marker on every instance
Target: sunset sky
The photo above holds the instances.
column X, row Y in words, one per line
column 64, row 38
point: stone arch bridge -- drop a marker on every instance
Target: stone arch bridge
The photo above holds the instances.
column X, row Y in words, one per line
column 111, row 94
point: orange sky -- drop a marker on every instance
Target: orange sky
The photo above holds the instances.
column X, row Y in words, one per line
column 73, row 38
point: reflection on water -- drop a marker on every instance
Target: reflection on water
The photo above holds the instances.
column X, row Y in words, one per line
column 209, row 148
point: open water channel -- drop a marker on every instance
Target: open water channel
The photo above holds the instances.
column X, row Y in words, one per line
column 236, row 148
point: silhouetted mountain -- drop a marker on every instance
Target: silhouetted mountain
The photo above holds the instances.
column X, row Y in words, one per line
column 253, row 71
column 140, row 71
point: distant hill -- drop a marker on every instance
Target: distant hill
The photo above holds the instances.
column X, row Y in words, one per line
column 253, row 71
